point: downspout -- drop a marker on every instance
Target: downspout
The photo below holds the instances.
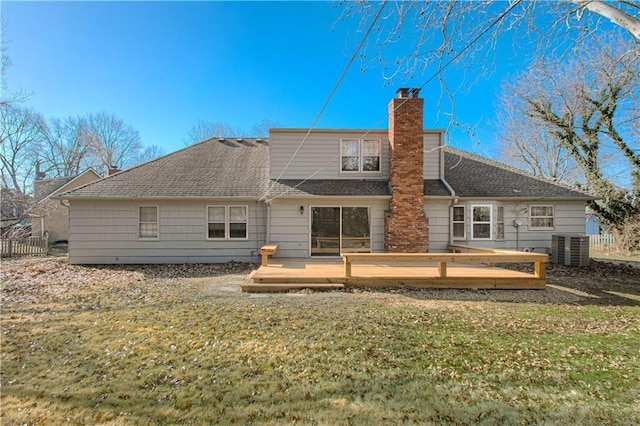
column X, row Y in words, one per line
column 67, row 206
column 449, row 188
column 268, row 234
column 454, row 199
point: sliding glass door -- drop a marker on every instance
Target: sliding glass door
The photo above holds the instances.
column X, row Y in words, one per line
column 340, row 229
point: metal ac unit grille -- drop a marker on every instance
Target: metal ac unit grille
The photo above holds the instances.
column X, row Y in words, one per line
column 571, row 250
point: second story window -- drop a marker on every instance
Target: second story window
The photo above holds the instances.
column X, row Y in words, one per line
column 359, row 155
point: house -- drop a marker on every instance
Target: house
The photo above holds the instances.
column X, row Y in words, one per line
column 317, row 193
column 50, row 214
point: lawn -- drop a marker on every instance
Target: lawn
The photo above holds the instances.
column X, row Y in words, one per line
column 111, row 346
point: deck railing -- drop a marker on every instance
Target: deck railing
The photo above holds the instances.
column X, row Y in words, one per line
column 25, row 246
column 462, row 254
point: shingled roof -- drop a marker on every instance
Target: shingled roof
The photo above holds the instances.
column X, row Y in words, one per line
column 344, row 187
column 213, row 168
column 476, row 177
column 42, row 188
column 240, row 168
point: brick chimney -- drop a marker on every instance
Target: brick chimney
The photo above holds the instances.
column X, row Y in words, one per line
column 406, row 226
column 112, row 170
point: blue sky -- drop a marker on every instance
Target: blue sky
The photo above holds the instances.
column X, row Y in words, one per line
column 163, row 66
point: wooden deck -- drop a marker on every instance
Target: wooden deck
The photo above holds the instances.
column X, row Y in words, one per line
column 286, row 274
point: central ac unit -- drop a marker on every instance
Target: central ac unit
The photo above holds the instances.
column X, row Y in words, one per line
column 570, row 250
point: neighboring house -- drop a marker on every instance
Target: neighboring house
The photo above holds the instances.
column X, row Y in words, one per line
column 51, row 215
column 340, row 191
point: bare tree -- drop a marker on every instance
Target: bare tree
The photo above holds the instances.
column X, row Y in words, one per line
column 532, row 149
column 203, row 130
column 616, row 13
column 68, row 147
column 114, row 143
column 415, row 35
column 21, row 134
column 261, row 129
column 7, row 97
column 149, row 153
column 529, row 145
column 589, row 105
column 421, row 41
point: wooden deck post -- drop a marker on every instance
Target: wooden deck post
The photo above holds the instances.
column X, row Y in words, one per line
column 266, row 251
column 442, row 269
column 541, row 270
column 347, row 267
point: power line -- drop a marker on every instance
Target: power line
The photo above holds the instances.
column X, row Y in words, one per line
column 333, row 92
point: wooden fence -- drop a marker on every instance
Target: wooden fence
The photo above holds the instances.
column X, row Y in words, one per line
column 26, row 246
column 602, row 241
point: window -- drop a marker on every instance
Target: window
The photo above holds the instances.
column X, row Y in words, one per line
column 500, row 223
column 216, row 223
column 227, row 222
column 148, row 222
column 370, row 156
column 481, row 223
column 237, row 222
column 541, row 217
column 350, row 156
column 360, row 155
column 459, row 226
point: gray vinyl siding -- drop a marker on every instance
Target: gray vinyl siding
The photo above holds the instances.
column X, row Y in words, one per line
column 569, row 218
column 320, row 154
column 106, row 232
column 432, row 155
column 437, row 212
column 291, row 230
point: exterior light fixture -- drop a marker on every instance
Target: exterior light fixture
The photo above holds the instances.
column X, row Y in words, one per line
column 301, row 209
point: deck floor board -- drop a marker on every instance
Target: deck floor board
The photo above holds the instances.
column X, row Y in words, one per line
column 326, row 271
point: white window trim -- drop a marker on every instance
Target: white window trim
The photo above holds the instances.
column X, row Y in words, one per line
column 360, row 158
column 491, row 222
column 227, row 230
column 542, row 228
column 206, row 218
column 157, row 237
column 228, row 227
column 464, row 223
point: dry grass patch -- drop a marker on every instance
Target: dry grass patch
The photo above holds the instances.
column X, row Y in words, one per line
column 146, row 349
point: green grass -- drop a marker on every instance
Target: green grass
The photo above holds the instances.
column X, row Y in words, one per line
column 162, row 354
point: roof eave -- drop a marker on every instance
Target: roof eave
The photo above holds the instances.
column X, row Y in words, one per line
column 162, row 198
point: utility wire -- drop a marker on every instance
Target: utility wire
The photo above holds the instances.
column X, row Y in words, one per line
column 333, row 92
column 446, row 65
